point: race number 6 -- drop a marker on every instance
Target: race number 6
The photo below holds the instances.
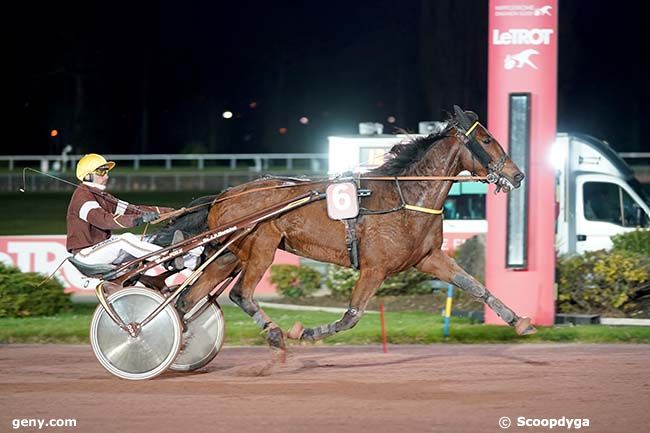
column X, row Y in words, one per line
column 342, row 200
column 341, row 196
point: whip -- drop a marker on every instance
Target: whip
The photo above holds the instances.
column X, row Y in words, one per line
column 76, row 185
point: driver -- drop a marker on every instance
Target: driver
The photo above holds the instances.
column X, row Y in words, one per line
column 93, row 214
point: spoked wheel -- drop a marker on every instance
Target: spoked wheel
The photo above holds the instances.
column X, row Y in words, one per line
column 154, row 348
column 202, row 340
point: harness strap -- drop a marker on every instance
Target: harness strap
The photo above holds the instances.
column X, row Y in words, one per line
column 474, row 147
column 469, row 131
column 402, row 205
column 351, row 241
column 423, row 209
column 364, row 211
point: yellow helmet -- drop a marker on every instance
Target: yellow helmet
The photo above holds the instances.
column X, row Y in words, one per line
column 91, row 162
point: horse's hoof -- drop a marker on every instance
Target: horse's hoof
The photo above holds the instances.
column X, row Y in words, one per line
column 296, row 331
column 275, row 338
column 278, row 356
column 523, row 326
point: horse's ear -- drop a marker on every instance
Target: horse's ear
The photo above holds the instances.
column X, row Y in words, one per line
column 461, row 116
column 472, row 116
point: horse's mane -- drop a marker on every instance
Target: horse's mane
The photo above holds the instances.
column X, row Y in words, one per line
column 404, row 155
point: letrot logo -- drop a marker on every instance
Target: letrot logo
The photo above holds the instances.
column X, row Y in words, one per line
column 543, row 11
column 522, row 37
column 520, row 60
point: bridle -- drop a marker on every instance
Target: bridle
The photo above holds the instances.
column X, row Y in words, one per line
column 466, row 131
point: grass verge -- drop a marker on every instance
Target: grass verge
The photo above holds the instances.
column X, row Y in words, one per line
column 403, row 328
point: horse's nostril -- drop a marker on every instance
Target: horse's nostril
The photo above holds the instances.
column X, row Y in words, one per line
column 519, row 177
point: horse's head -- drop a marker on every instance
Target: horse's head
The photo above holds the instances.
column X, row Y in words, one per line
column 482, row 153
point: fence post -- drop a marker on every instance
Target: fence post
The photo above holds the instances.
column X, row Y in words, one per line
column 450, row 296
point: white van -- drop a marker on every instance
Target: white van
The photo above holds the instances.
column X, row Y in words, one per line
column 597, row 194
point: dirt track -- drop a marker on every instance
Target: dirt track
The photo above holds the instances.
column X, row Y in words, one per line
column 446, row 388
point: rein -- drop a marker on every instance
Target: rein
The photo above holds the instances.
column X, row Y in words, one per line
column 403, row 205
column 428, row 178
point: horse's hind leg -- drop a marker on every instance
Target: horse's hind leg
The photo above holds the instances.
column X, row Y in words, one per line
column 214, row 274
column 366, row 286
column 257, row 255
column 442, row 266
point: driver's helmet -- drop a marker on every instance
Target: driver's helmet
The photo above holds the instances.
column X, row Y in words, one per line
column 92, row 162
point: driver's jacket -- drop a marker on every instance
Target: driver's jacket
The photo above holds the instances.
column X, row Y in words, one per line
column 93, row 214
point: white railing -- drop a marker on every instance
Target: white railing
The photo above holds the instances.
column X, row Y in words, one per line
column 260, row 161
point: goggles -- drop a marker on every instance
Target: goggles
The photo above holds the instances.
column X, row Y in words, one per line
column 102, row 171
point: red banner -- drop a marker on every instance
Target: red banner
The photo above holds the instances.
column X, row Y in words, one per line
column 44, row 254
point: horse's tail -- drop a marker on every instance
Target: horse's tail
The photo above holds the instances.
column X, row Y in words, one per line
column 191, row 224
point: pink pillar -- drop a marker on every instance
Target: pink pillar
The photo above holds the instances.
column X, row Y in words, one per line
column 522, row 58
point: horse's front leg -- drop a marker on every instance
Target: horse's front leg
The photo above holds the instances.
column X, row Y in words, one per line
column 441, row 266
column 366, row 286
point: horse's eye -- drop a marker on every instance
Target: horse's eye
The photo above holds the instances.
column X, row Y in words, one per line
column 487, row 140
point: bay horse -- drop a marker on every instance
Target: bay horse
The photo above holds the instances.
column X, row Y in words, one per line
column 391, row 238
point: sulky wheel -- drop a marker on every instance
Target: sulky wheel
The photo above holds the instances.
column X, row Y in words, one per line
column 153, row 349
column 202, row 340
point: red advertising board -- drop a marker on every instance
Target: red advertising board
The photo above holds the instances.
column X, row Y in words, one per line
column 44, row 254
column 522, row 58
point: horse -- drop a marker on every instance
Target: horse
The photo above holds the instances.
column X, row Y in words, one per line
column 391, row 238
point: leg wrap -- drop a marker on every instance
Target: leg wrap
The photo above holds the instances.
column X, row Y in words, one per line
column 250, row 307
column 261, row 319
column 501, row 310
column 473, row 287
column 273, row 333
column 349, row 319
column 469, row 285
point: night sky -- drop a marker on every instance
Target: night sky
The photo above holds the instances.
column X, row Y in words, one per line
column 140, row 77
